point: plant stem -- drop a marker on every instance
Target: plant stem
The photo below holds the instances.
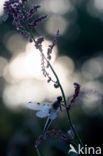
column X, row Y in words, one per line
column 38, row 152
column 68, row 113
column 62, row 92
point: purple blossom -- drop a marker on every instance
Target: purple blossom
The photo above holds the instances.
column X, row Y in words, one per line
column 53, row 133
column 21, row 15
column 43, row 63
column 32, row 11
column 50, row 47
column 24, row 33
column 15, row 9
column 49, row 79
column 34, row 23
column 44, row 71
column 56, row 85
column 38, row 42
column 76, row 93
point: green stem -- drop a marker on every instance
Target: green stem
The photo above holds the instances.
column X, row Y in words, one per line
column 38, row 152
column 62, row 92
column 68, row 114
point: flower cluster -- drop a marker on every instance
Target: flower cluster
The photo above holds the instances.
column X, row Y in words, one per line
column 43, row 68
column 34, row 23
column 53, row 133
column 45, row 60
column 23, row 17
column 50, row 47
column 38, row 42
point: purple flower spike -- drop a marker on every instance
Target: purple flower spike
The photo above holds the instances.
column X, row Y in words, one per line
column 56, row 85
column 34, row 23
column 76, row 93
column 50, row 47
column 21, row 15
column 39, row 41
column 32, row 11
column 53, row 133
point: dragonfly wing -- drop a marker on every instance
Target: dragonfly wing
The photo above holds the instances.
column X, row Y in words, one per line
column 42, row 114
column 33, row 106
column 46, row 107
column 53, row 115
column 38, row 106
column 43, row 109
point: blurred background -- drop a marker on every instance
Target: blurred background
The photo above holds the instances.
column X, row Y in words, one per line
column 78, row 57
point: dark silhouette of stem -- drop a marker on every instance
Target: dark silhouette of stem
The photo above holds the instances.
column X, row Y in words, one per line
column 37, row 151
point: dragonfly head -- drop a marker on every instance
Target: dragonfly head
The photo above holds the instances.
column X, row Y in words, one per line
column 59, row 98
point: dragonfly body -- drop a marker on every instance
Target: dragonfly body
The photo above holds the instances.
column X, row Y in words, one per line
column 53, row 112
column 46, row 110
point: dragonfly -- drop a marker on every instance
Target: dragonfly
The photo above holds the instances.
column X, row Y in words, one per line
column 49, row 110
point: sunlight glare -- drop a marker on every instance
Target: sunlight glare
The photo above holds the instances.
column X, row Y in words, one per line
column 93, row 68
column 20, row 93
column 94, row 85
column 92, row 97
column 56, row 22
column 56, row 6
column 27, row 64
column 3, row 63
column 15, row 43
column 2, row 6
column 95, row 8
column 98, row 4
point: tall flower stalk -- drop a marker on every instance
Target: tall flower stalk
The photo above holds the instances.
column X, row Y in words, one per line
column 63, row 94
column 23, row 19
